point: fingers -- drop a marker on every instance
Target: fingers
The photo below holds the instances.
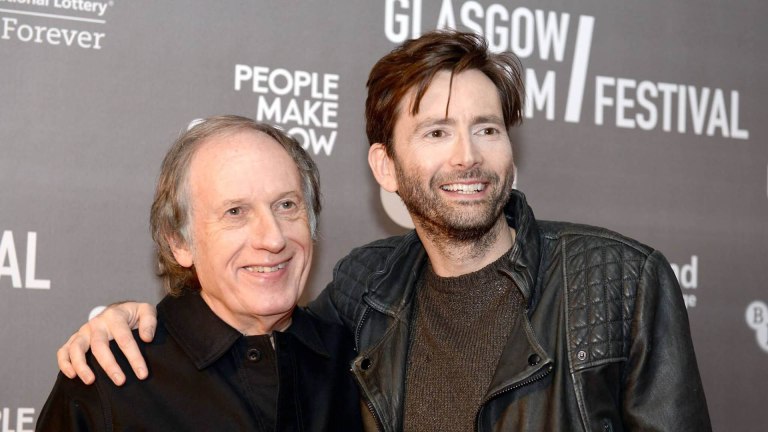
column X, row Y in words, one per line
column 75, row 350
column 68, row 352
column 99, row 339
column 137, row 315
column 115, row 322
column 65, row 366
column 147, row 321
column 126, row 342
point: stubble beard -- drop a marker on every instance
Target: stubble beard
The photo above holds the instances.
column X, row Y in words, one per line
column 466, row 228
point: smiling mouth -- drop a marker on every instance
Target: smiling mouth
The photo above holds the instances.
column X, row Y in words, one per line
column 261, row 269
column 463, row 188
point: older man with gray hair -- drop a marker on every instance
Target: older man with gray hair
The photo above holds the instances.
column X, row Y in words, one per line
column 234, row 219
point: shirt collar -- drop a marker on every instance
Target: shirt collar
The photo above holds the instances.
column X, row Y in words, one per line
column 205, row 337
column 306, row 330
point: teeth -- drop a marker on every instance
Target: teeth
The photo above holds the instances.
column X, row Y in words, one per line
column 260, row 269
column 464, row 188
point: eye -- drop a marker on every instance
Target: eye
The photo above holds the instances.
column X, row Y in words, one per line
column 489, row 131
column 438, row 133
column 235, row 211
column 287, row 205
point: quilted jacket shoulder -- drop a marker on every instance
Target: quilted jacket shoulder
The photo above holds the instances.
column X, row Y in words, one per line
column 601, row 275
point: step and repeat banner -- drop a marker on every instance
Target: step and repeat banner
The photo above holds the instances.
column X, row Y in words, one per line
column 647, row 118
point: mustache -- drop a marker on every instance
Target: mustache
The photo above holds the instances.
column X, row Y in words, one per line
column 475, row 173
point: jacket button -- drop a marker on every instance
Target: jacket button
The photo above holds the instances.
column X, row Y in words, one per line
column 365, row 364
column 534, row 359
column 254, row 355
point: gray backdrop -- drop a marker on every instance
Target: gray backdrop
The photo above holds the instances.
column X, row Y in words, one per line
column 645, row 117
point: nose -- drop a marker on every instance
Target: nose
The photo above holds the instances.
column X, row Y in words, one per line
column 465, row 152
column 267, row 234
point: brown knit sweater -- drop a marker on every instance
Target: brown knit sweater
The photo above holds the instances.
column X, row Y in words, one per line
column 461, row 325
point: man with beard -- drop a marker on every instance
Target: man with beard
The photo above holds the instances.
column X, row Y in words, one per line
column 483, row 317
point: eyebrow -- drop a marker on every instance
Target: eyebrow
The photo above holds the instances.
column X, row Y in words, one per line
column 434, row 121
column 488, row 119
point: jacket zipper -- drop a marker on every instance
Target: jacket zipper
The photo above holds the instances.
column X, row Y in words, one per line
column 360, row 327
column 368, row 403
column 375, row 416
column 523, row 383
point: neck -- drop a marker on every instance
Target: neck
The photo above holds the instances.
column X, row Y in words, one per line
column 249, row 325
column 452, row 257
column 266, row 326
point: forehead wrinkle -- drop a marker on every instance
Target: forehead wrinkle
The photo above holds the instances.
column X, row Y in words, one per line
column 245, row 201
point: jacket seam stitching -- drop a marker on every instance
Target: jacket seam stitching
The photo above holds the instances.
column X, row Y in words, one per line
column 569, row 336
column 615, row 237
column 600, row 362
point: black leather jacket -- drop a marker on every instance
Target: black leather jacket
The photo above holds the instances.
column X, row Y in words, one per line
column 606, row 344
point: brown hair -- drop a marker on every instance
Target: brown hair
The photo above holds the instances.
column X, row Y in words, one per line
column 171, row 211
column 414, row 65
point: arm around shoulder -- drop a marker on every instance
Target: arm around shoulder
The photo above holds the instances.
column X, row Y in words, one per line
column 116, row 323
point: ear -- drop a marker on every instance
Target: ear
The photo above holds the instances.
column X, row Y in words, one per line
column 382, row 167
column 181, row 251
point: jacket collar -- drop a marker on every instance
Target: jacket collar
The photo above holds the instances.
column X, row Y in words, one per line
column 391, row 287
column 204, row 337
column 526, row 250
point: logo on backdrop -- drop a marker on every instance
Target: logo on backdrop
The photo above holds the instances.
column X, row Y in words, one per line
column 757, row 318
column 60, row 23
column 305, row 103
column 10, row 265
column 688, row 276
column 623, row 102
column 17, row 419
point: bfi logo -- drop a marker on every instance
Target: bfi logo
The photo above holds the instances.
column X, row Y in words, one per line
column 757, row 318
column 9, row 263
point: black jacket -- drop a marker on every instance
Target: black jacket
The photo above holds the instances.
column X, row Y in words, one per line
column 203, row 374
column 606, row 344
